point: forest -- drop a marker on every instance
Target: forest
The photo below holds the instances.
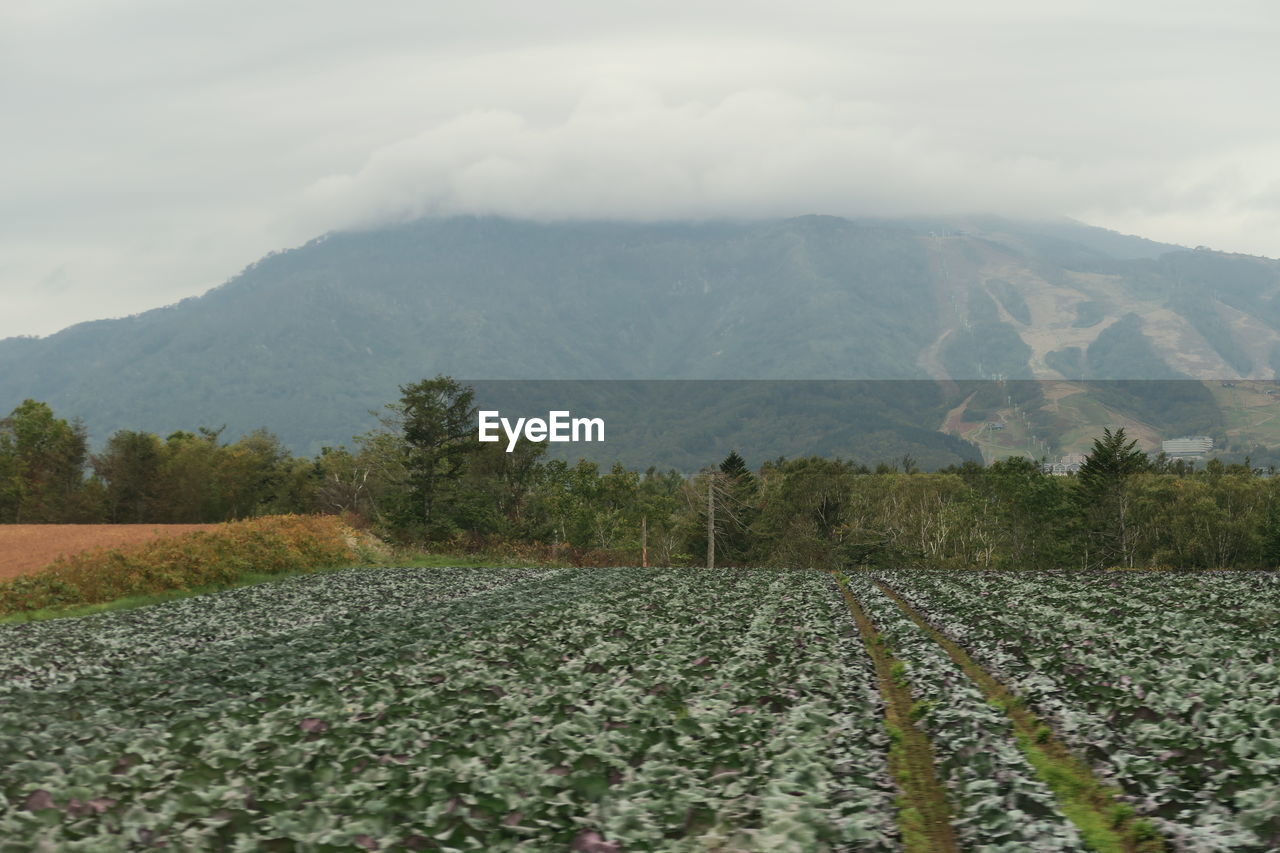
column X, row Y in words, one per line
column 422, row 478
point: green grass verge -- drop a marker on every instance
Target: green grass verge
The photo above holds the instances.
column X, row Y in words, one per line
column 411, row 561
column 133, row 601
column 444, row 561
column 1076, row 797
column 924, row 812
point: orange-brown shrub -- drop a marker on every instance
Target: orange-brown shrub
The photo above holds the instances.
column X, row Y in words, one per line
column 269, row 545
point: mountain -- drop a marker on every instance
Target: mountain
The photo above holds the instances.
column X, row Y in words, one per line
column 307, row 341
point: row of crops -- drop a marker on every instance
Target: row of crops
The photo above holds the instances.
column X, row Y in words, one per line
column 997, row 799
column 610, row 710
column 597, row 709
column 1169, row 685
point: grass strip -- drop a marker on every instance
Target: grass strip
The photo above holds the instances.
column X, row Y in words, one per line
column 924, row 814
column 1106, row 824
column 130, row 602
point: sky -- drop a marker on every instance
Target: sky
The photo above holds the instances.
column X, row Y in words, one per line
column 151, row 149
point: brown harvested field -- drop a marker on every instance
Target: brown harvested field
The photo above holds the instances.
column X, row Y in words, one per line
column 27, row 548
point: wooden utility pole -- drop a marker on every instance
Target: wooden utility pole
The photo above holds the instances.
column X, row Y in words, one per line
column 711, row 523
column 644, row 541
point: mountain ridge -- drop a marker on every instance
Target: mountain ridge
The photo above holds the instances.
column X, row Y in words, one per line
column 307, row 340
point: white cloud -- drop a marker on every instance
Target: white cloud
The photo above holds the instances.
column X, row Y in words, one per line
column 624, row 151
column 153, row 149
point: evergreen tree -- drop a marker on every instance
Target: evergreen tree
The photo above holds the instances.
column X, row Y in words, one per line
column 733, row 531
column 1103, row 498
column 435, row 418
column 735, row 467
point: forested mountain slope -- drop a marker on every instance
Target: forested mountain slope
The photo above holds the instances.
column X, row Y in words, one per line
column 306, row 341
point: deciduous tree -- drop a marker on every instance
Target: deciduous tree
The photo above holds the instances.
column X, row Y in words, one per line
column 42, row 462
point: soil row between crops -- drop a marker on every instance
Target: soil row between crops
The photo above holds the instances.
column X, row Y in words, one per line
column 924, row 814
column 1104, row 822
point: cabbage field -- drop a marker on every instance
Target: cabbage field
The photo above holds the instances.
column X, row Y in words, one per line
column 612, row 710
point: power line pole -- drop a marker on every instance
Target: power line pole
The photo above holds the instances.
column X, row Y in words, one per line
column 644, row 541
column 711, row 523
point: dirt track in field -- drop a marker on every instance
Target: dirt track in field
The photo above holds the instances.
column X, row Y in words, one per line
column 925, row 816
column 27, row 548
column 1078, row 790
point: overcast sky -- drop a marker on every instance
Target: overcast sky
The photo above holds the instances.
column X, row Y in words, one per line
column 150, row 149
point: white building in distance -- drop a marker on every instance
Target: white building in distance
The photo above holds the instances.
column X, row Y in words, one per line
column 1187, row 446
column 1069, row 464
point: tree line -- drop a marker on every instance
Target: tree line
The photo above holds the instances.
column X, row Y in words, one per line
column 422, row 477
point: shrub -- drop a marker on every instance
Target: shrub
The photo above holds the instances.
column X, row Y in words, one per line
column 271, row 545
